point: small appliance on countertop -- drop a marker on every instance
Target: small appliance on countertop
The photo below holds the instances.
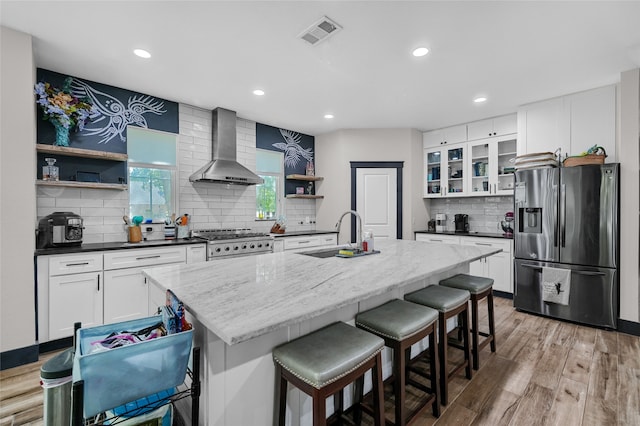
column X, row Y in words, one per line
column 461, row 222
column 59, row 229
column 441, row 222
column 506, row 224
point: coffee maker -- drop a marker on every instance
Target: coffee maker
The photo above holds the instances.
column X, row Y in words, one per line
column 462, row 222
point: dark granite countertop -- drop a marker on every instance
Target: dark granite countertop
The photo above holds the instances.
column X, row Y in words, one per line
column 469, row 234
column 302, row 233
column 117, row 246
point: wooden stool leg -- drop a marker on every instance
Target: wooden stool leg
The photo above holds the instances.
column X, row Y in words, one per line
column 474, row 332
column 319, row 409
column 492, row 325
column 399, row 367
column 358, row 396
column 442, row 347
column 281, row 395
column 378, row 392
column 467, row 343
column 434, row 366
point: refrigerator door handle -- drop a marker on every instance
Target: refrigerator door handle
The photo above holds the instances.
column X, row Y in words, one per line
column 563, row 215
column 532, row 266
column 589, row 273
column 555, row 227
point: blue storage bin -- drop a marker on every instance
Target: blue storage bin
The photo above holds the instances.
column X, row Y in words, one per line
column 121, row 375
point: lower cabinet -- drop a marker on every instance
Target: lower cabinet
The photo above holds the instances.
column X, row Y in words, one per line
column 498, row 266
column 74, row 298
column 305, row 241
column 102, row 287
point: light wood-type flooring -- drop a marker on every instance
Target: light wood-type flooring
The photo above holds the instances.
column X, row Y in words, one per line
column 545, row 372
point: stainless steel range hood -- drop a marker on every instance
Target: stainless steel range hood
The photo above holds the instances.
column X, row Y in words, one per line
column 224, row 168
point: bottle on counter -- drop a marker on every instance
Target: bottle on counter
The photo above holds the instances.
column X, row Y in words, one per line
column 367, row 241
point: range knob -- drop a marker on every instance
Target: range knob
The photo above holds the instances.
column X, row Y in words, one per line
column 218, row 250
column 226, row 248
column 259, row 245
column 236, row 247
column 267, row 244
column 244, row 247
column 252, row 246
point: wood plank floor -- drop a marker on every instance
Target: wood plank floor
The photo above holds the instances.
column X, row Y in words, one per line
column 545, row 372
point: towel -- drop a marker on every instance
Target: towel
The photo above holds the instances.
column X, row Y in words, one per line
column 556, row 285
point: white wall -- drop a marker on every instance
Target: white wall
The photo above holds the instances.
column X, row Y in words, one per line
column 17, row 191
column 335, row 151
column 629, row 155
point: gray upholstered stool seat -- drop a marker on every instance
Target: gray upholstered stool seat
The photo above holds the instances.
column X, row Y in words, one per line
column 479, row 287
column 323, row 362
column 449, row 302
column 402, row 324
column 472, row 283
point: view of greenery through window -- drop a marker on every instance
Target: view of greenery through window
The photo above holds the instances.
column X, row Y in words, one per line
column 266, row 197
column 150, row 193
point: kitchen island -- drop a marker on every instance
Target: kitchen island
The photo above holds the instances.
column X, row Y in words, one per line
column 243, row 307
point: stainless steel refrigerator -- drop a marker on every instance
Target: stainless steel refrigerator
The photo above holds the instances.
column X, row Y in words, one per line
column 566, row 221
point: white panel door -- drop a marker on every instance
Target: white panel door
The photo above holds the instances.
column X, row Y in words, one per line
column 376, row 200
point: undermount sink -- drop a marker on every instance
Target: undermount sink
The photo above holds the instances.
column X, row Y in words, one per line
column 324, row 253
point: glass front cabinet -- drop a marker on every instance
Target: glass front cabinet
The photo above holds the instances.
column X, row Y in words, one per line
column 445, row 174
column 491, row 165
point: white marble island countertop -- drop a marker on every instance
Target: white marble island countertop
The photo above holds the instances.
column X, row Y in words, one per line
column 245, row 297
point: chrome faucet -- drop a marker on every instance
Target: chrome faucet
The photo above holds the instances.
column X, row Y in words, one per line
column 359, row 233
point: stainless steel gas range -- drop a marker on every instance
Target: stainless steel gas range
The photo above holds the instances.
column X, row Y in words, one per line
column 226, row 243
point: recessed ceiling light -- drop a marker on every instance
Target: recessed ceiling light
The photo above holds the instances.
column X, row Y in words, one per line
column 420, row 51
column 328, row 116
column 480, row 99
column 142, row 53
column 258, row 92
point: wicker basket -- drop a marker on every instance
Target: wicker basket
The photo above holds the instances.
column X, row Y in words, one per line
column 585, row 159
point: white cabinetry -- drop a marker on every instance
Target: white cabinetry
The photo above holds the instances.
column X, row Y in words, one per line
column 75, row 289
column 497, row 126
column 197, row 253
column 498, row 266
column 573, row 123
column 446, row 136
column 438, row 238
column 445, row 171
column 488, row 159
column 307, row 241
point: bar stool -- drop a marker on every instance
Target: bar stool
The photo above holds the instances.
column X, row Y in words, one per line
column 401, row 324
column 323, row 362
column 479, row 287
column 449, row 302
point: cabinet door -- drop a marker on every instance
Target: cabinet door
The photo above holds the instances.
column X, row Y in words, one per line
column 505, row 125
column 197, row 253
column 543, row 127
column 278, row 245
column 455, row 166
column 480, row 130
column 119, row 259
column 481, row 165
column 433, row 167
column 75, row 263
column 593, row 121
column 432, row 139
column 499, row 268
column 74, row 298
column 505, row 151
column 126, row 295
column 455, row 134
column 438, row 238
column 157, row 298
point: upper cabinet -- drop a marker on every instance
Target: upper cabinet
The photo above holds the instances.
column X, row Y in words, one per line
column 573, row 123
column 447, row 136
column 498, row 126
column 445, row 171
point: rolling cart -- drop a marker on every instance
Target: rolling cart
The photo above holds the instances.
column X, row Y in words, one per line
column 114, row 386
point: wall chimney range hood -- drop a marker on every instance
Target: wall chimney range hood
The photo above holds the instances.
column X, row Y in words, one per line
column 224, row 168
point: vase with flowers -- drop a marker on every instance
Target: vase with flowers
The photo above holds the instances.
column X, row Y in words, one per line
column 65, row 111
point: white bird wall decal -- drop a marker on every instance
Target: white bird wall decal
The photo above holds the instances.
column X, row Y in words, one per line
column 292, row 149
column 118, row 115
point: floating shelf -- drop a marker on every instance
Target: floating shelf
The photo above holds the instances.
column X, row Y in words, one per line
column 305, row 177
column 304, row 196
column 79, row 152
column 74, row 184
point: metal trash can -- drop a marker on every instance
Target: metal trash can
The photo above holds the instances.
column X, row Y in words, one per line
column 56, row 379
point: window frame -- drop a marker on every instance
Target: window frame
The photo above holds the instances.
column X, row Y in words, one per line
column 279, row 185
column 174, row 183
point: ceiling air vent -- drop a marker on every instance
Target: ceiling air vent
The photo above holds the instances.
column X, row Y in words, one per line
column 320, row 31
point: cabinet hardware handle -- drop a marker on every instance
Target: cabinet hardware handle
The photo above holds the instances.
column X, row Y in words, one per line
column 304, row 242
column 78, row 264
column 436, row 241
column 98, row 282
column 148, row 257
column 533, row 267
column 590, row 273
column 483, row 244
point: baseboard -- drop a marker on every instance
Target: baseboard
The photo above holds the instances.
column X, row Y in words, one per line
column 503, row 294
column 54, row 345
column 18, row 357
column 629, row 327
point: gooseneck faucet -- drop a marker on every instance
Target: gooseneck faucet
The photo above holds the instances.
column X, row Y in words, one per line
column 359, row 233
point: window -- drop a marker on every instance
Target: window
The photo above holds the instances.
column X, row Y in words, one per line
column 269, row 166
column 152, row 173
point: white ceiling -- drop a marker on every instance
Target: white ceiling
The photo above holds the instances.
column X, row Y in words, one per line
column 213, row 53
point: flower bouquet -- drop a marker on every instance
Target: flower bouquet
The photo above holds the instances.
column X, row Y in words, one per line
column 62, row 109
